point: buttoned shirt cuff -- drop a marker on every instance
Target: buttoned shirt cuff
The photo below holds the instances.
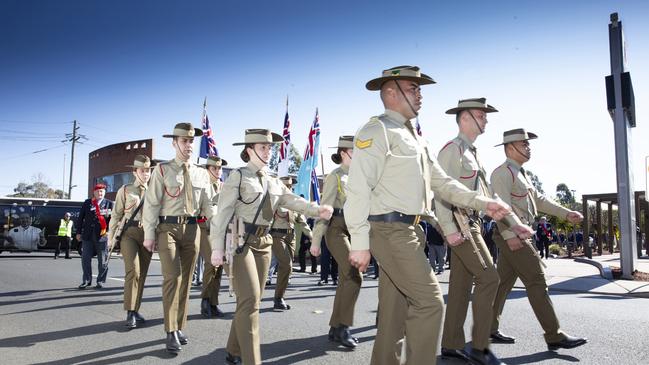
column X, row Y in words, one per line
column 449, row 228
column 507, row 234
column 312, row 210
column 510, row 221
column 480, row 202
column 360, row 242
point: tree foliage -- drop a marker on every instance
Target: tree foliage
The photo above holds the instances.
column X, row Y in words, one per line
column 295, row 159
column 535, row 181
column 38, row 188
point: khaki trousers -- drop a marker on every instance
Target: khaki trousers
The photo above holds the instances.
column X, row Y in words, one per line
column 410, row 298
column 136, row 265
column 178, row 250
column 250, row 271
column 284, row 250
column 211, row 275
column 349, row 278
column 525, row 264
column 466, row 270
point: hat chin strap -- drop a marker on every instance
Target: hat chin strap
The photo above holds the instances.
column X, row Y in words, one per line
column 526, row 155
column 404, row 96
column 476, row 122
column 259, row 157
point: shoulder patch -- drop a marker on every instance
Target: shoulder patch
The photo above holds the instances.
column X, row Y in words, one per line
column 362, row 144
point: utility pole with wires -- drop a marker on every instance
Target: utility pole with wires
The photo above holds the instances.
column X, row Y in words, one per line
column 73, row 137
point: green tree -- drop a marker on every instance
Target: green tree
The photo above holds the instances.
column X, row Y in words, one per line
column 295, row 159
column 565, row 196
column 535, row 181
column 38, row 188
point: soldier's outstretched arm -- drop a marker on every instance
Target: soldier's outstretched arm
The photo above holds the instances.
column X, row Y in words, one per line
column 329, row 192
column 452, row 191
column 227, row 205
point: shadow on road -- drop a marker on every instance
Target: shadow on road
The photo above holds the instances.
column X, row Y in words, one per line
column 92, row 357
column 539, row 356
column 94, row 329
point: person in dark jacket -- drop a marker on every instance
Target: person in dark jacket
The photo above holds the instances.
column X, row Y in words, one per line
column 92, row 226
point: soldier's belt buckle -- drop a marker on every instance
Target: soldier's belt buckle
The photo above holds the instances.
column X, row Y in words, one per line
column 417, row 220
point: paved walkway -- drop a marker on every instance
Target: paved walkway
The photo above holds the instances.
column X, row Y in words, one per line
column 572, row 276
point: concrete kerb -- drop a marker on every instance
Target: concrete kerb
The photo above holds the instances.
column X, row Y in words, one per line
column 604, row 270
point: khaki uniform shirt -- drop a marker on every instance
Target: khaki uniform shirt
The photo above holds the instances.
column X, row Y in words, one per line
column 246, row 182
column 333, row 193
column 514, row 188
column 127, row 200
column 387, row 174
column 459, row 160
column 165, row 195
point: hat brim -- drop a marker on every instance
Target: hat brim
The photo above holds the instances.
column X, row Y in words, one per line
column 223, row 163
column 376, row 84
column 197, row 133
column 276, row 139
column 488, row 109
column 292, row 180
column 530, row 136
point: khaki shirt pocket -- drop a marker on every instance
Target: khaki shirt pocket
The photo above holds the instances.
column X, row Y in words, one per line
column 173, row 186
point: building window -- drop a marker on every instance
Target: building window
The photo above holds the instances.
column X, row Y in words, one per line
column 115, row 181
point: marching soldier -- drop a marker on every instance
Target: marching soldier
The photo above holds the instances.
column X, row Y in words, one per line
column 178, row 194
column 136, row 257
column 470, row 255
column 252, row 196
column 211, row 275
column 518, row 258
column 337, row 238
column 389, row 189
column 283, row 232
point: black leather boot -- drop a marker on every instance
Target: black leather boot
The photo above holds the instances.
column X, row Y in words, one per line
column 206, row 308
column 281, row 304
column 182, row 338
column 130, row 320
column 232, row 359
column 344, row 337
column 172, row 344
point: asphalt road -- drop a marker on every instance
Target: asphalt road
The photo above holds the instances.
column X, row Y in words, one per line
column 46, row 320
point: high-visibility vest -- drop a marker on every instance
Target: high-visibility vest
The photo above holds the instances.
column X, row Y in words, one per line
column 65, row 229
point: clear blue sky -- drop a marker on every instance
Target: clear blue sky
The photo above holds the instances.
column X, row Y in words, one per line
column 129, row 70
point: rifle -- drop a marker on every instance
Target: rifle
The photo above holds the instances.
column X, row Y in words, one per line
column 122, row 227
column 235, row 240
column 464, row 222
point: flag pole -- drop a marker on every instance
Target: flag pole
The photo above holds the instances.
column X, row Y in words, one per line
column 322, row 163
column 198, row 159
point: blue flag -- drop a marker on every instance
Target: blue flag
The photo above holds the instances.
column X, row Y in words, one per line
column 307, row 172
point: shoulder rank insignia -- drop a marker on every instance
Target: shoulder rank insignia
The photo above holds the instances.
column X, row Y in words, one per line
column 362, row 144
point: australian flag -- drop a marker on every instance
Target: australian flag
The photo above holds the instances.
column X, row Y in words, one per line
column 282, row 166
column 307, row 175
column 208, row 146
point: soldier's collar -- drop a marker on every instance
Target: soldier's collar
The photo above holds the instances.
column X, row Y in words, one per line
column 344, row 168
column 514, row 164
column 396, row 116
column 254, row 168
column 465, row 139
column 180, row 162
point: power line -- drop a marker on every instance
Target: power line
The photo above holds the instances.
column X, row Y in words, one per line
column 30, row 122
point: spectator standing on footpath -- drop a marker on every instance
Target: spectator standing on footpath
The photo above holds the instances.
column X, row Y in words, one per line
column 64, row 236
